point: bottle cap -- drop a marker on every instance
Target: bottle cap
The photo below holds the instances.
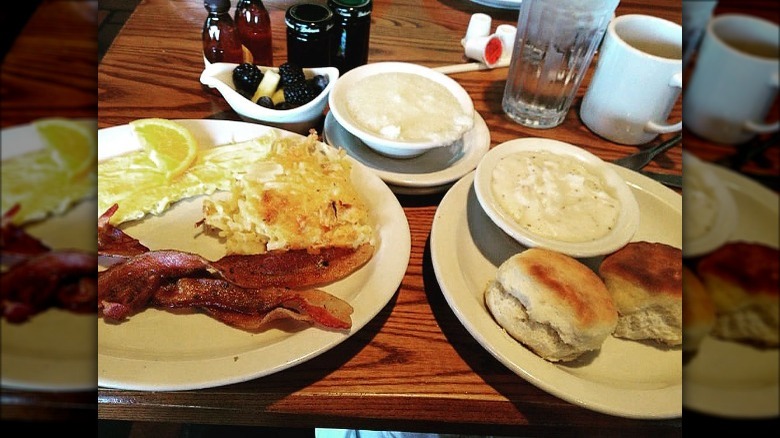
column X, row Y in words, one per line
column 507, row 33
column 351, row 8
column 479, row 26
column 217, row 5
column 486, row 49
column 309, row 18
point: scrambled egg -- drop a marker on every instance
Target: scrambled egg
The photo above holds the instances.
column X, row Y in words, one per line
column 300, row 196
column 139, row 187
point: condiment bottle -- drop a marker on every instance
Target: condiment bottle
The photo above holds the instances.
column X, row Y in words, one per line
column 254, row 30
column 351, row 33
column 221, row 42
column 309, row 28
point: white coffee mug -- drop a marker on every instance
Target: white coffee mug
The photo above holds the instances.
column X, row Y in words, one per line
column 637, row 80
column 735, row 80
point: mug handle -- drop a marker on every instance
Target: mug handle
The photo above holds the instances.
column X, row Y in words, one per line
column 765, row 128
column 660, row 128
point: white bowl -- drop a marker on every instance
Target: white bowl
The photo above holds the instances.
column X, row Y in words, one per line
column 709, row 209
column 385, row 144
column 300, row 119
column 571, row 231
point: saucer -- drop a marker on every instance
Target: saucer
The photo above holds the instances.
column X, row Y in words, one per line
column 431, row 172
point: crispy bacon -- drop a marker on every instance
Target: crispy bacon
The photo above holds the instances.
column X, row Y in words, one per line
column 15, row 242
column 251, row 309
column 176, row 279
column 114, row 242
column 244, row 291
column 62, row 279
column 127, row 288
column 293, row 268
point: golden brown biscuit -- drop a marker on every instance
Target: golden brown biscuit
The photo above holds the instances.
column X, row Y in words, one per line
column 743, row 279
column 698, row 311
column 645, row 281
column 552, row 303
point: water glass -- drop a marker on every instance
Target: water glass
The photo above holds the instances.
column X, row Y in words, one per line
column 554, row 45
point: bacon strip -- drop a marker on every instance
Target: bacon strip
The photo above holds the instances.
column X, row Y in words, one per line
column 16, row 244
column 63, row 279
column 114, row 242
column 293, row 268
column 127, row 288
column 251, row 309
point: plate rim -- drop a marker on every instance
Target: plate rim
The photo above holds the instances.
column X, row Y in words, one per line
column 74, row 379
column 667, row 401
column 399, row 243
column 734, row 403
column 440, row 179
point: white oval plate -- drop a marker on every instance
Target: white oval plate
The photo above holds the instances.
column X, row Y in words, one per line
column 55, row 350
column 157, row 350
column 434, row 170
column 730, row 379
column 625, row 378
column 627, row 222
column 725, row 220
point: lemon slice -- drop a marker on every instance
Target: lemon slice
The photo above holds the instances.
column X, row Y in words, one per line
column 73, row 145
column 171, row 146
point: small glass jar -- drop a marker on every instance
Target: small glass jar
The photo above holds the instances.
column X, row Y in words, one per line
column 309, row 29
column 351, row 33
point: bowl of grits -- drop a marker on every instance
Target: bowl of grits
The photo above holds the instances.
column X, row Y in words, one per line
column 401, row 110
column 551, row 194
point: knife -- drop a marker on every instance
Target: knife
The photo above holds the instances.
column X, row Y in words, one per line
column 664, row 178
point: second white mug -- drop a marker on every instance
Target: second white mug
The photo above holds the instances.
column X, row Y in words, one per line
column 637, row 80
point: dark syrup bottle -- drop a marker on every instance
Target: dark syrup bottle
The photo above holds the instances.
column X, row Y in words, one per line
column 254, row 29
column 220, row 36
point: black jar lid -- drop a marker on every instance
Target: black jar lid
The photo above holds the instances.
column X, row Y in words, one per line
column 217, row 5
column 351, row 8
column 309, row 18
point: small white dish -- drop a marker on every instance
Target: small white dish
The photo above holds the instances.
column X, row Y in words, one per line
column 620, row 233
column 712, row 212
column 299, row 120
column 383, row 142
column 431, row 172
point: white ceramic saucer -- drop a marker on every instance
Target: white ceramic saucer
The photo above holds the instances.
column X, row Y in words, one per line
column 432, row 172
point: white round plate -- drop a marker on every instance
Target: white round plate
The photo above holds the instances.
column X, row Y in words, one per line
column 157, row 350
column 728, row 378
column 725, row 219
column 620, row 234
column 433, row 171
column 625, row 378
column 55, row 350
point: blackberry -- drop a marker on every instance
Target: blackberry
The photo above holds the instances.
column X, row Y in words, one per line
column 299, row 93
column 290, row 73
column 246, row 78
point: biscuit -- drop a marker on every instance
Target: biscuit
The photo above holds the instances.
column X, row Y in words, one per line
column 743, row 280
column 552, row 303
column 645, row 281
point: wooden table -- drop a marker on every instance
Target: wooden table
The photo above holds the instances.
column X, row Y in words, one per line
column 414, row 367
column 49, row 71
